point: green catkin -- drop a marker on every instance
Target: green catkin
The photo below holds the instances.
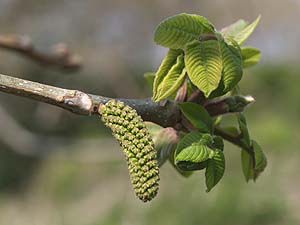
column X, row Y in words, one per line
column 129, row 129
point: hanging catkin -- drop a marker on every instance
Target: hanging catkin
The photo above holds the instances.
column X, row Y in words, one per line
column 134, row 138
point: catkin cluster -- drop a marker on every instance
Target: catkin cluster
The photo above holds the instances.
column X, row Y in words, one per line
column 128, row 128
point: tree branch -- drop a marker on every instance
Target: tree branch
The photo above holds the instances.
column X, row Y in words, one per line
column 166, row 115
column 60, row 57
column 87, row 104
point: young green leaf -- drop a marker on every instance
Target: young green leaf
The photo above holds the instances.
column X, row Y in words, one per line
column 251, row 56
column 164, row 68
column 243, row 35
column 176, row 31
column 189, row 166
column 253, row 165
column 214, row 170
column 203, row 62
column 195, row 153
column 206, row 139
column 234, row 28
column 182, row 172
column 232, row 66
column 244, row 129
column 219, row 91
column 247, row 165
column 172, row 81
column 187, row 140
column 197, row 115
column 218, row 143
column 260, row 160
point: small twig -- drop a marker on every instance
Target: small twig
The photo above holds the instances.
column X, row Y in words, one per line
column 59, row 57
column 234, row 140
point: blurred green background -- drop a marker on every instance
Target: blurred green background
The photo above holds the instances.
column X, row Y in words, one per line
column 63, row 169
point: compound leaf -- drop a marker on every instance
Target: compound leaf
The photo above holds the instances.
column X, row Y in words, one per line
column 243, row 35
column 247, row 165
column 164, row 68
column 195, row 153
column 187, row 140
column 172, row 81
column 234, row 28
column 176, row 31
column 260, row 160
column 218, row 143
column 194, row 138
column 232, row 66
column 214, row 170
column 185, row 168
column 189, row 166
column 204, row 64
column 182, row 172
column 253, row 165
column 244, row 129
column 251, row 56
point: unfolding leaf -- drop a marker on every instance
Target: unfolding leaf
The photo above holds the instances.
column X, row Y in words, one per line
column 197, row 115
column 191, row 166
column 247, row 165
column 206, row 139
column 234, row 28
column 176, row 31
column 187, row 140
column 214, row 170
column 251, row 56
column 164, row 68
column 232, row 66
column 184, row 173
column 253, row 164
column 218, row 143
column 203, row 62
column 244, row 129
column 220, row 91
column 243, row 35
column 172, row 81
column 195, row 153
column 190, row 139
column 260, row 160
